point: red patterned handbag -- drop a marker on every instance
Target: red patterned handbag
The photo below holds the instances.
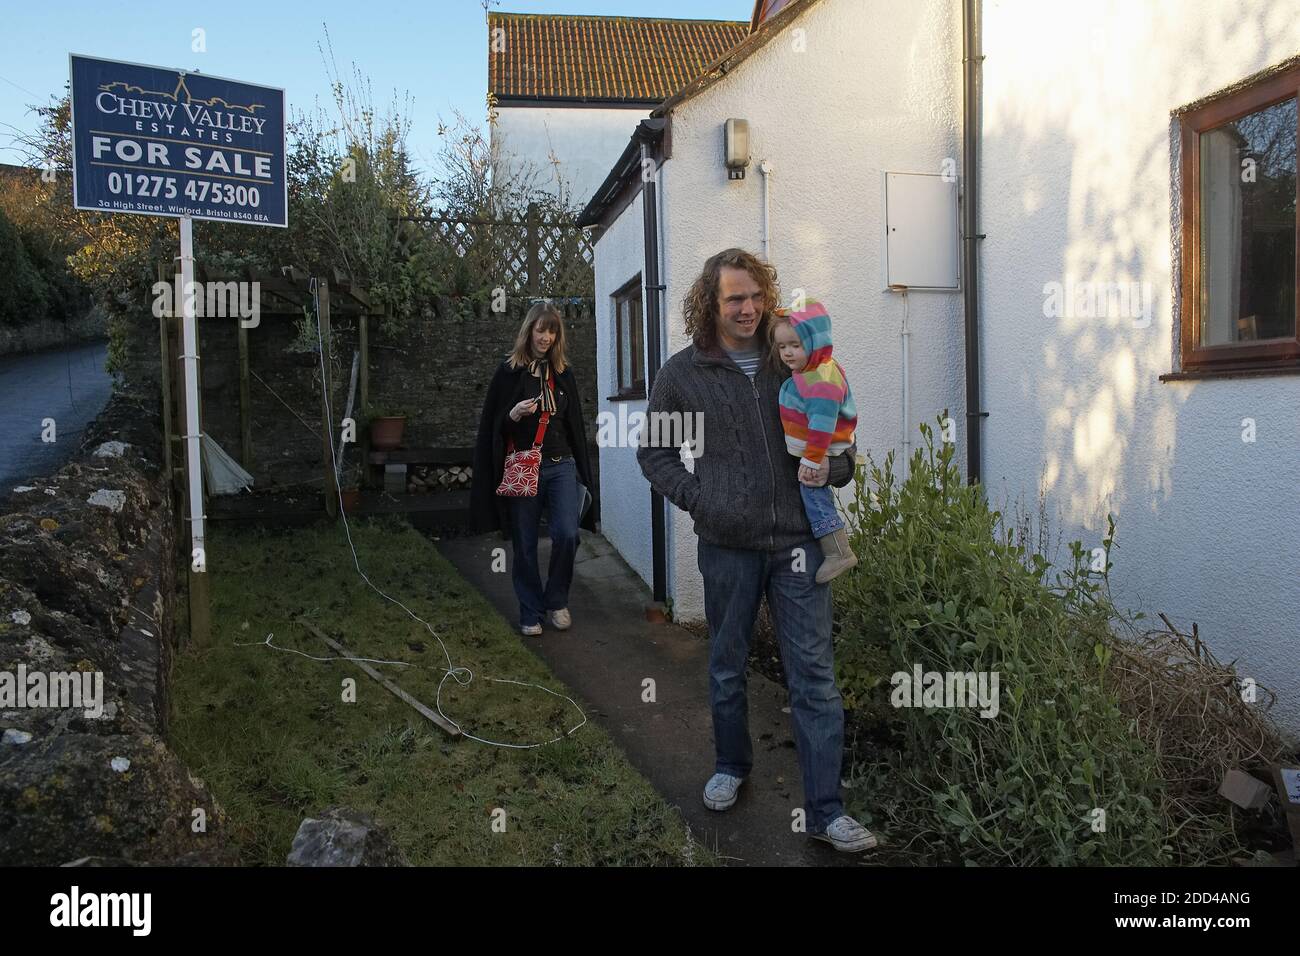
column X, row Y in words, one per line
column 519, row 479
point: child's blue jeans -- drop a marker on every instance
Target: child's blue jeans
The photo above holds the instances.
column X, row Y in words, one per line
column 819, row 505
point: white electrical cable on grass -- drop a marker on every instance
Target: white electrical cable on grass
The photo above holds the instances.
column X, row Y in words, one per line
column 312, row 657
column 462, row 675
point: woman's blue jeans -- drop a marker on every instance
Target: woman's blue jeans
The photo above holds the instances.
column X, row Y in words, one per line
column 735, row 581
column 557, row 491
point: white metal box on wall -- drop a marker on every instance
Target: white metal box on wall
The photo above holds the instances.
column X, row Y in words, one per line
column 922, row 232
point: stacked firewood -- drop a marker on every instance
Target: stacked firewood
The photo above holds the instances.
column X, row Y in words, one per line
column 426, row 478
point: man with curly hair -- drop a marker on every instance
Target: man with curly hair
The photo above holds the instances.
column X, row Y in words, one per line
column 754, row 535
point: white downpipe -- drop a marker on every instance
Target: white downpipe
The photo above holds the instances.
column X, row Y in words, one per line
column 765, row 167
column 906, row 334
column 190, row 356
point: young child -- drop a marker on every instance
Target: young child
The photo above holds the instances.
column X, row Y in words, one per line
column 818, row 415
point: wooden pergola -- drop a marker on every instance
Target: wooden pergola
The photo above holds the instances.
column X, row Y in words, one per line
column 284, row 292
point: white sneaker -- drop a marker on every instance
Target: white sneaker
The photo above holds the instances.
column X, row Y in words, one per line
column 848, row 835
column 561, row 619
column 720, row 791
column 531, row 630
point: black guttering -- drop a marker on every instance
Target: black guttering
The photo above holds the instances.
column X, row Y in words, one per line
column 654, row 289
column 972, row 95
column 626, row 171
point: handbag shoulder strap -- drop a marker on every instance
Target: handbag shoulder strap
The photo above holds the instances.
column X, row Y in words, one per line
column 541, row 426
column 546, row 416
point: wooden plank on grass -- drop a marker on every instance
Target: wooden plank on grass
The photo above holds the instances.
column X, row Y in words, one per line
column 388, row 685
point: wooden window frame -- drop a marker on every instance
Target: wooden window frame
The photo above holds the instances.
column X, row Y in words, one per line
column 629, row 292
column 1274, row 355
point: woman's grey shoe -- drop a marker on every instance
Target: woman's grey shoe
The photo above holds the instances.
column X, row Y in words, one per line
column 847, row 834
column 839, row 557
column 532, row 630
column 561, row 619
column 720, row 792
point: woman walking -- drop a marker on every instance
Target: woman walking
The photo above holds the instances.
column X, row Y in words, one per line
column 534, row 398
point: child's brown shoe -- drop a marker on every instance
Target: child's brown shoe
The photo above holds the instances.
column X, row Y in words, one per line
column 839, row 557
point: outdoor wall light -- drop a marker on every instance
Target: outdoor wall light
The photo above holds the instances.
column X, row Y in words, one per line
column 736, row 147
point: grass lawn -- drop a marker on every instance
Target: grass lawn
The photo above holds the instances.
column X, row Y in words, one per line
column 270, row 733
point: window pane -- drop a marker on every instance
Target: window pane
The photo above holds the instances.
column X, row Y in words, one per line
column 1248, row 217
column 638, row 358
column 624, row 345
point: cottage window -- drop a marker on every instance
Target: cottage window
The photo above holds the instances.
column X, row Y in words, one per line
column 1239, row 229
column 628, row 337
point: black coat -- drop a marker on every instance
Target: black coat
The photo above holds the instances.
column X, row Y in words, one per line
column 488, row 510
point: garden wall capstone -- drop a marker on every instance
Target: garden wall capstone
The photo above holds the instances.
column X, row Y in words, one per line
column 87, row 587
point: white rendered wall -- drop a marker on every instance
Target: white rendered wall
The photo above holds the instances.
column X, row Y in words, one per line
column 586, row 143
column 877, row 87
column 1079, row 184
column 625, row 494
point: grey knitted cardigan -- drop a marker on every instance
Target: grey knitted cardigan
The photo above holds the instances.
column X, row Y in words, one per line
column 745, row 489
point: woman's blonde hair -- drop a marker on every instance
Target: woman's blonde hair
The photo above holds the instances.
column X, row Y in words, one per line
column 551, row 321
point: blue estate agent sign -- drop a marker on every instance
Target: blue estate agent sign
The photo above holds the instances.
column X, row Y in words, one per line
column 162, row 142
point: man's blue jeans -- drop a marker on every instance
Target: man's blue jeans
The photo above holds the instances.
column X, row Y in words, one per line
column 735, row 580
column 819, row 505
column 557, row 490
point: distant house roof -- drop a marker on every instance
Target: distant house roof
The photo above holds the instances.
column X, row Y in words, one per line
column 606, row 59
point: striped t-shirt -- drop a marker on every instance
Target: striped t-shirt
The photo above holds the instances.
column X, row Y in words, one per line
column 747, row 360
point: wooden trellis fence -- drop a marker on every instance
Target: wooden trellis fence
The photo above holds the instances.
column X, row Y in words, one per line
column 528, row 256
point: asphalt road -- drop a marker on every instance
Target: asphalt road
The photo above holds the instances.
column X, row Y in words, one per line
column 68, row 385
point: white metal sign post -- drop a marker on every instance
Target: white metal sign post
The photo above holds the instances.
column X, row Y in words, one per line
column 156, row 141
column 193, row 436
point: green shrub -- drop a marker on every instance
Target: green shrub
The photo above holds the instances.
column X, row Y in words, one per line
column 941, row 583
column 23, row 291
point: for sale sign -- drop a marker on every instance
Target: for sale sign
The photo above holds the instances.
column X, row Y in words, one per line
column 163, row 142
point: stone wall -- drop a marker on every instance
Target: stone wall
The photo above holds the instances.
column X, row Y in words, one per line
column 87, row 586
column 34, row 336
column 437, row 370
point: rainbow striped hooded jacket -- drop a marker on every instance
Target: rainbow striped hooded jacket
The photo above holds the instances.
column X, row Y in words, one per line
column 817, row 409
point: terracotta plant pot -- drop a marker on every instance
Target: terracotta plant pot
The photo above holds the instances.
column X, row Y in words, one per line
column 386, row 433
column 351, row 500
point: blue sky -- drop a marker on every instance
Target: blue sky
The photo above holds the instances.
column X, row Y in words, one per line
column 435, row 50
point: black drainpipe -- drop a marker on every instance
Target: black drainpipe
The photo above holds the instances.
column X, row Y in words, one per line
column 650, row 283
column 973, row 64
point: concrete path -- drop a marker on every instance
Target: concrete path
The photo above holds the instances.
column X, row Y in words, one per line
column 605, row 657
